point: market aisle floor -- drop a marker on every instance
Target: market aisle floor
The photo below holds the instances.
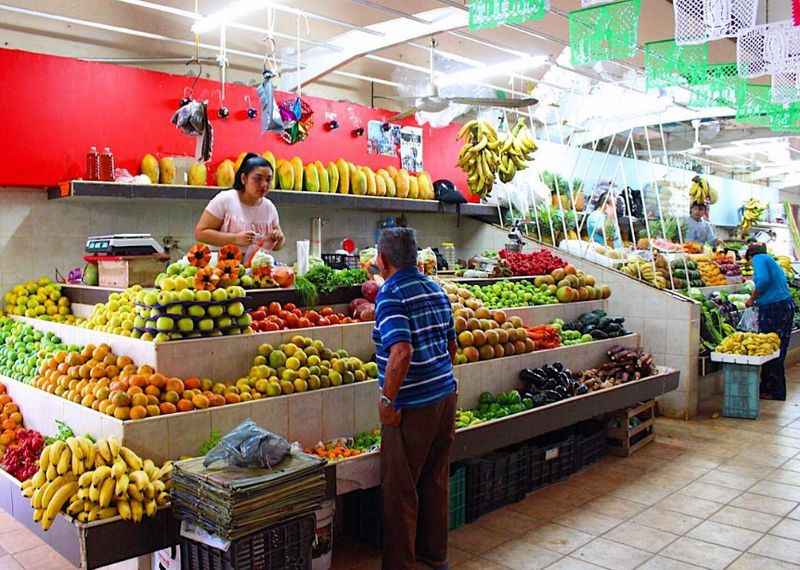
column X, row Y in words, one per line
column 711, row 493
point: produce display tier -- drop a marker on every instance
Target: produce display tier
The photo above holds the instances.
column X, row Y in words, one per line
column 91, row 295
column 115, row 190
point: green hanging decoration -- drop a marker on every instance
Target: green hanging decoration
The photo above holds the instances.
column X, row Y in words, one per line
column 485, row 14
column 714, row 86
column 754, row 106
column 604, row 32
column 667, row 64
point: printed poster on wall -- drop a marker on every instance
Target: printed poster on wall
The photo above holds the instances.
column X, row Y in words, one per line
column 382, row 141
column 411, row 149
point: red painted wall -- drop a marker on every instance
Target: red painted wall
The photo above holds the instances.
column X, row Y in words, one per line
column 52, row 109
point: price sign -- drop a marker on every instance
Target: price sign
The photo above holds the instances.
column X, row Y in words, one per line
column 492, row 13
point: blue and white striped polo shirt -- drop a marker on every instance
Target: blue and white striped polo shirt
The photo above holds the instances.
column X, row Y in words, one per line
column 412, row 308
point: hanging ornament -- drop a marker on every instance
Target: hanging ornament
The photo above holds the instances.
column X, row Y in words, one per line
column 699, row 21
column 768, row 49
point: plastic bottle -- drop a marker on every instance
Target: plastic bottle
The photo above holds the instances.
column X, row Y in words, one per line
column 92, row 164
column 106, row 170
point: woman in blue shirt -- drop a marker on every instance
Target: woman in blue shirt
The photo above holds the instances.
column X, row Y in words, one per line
column 775, row 314
column 605, row 209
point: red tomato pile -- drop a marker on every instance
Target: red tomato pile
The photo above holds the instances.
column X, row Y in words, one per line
column 534, row 263
column 276, row 317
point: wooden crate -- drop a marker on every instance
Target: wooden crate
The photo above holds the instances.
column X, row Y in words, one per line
column 626, row 440
column 124, row 271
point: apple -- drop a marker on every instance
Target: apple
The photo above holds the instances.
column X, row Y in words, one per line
column 247, row 282
column 236, row 309
column 244, row 321
column 181, row 283
column 235, row 292
column 224, row 322
column 150, row 324
column 154, row 313
column 203, row 296
column 189, row 271
column 176, row 310
column 159, row 278
column 150, row 298
column 161, row 337
column 168, row 284
column 174, row 269
column 206, row 325
column 215, row 311
column 219, row 295
column 233, row 331
column 166, row 297
column 164, row 324
column 216, row 333
column 139, row 322
column 147, row 336
column 185, row 325
column 196, row 311
column 186, row 295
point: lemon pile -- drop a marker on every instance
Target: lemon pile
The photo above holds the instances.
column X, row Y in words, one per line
column 117, row 315
column 39, row 299
column 750, row 344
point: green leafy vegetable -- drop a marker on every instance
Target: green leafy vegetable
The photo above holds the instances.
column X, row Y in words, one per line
column 210, row 443
column 307, row 291
column 64, row 432
column 327, row 280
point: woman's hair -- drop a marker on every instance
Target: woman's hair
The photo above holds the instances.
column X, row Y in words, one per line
column 600, row 200
column 754, row 249
column 251, row 161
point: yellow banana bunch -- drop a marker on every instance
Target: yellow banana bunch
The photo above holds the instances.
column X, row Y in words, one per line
column 480, row 156
column 750, row 344
column 644, row 270
column 701, row 192
column 752, row 212
column 516, row 151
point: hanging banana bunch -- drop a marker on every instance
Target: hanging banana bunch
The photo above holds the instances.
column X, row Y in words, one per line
column 516, row 151
column 701, row 191
column 479, row 157
column 751, row 213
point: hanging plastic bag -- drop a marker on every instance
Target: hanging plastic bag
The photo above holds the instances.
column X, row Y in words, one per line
column 748, row 322
column 248, row 446
column 270, row 115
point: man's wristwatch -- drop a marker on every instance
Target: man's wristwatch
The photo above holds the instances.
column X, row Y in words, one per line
column 386, row 400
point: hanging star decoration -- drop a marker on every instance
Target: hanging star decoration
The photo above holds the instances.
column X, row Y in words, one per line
column 297, row 119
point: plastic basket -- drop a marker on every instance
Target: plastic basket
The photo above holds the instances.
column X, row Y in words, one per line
column 552, row 458
column 284, row 545
column 495, row 480
column 590, row 443
column 714, row 86
column 741, row 390
column 340, row 260
column 698, row 21
column 768, row 48
column 458, row 497
column 604, row 32
column 786, row 87
column 493, row 13
column 666, row 64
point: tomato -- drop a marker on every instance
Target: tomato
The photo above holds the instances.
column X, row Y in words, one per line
column 274, row 308
column 292, row 321
column 270, row 326
column 333, row 319
column 304, row 323
column 313, row 316
column 326, row 311
column 258, row 315
column 290, row 306
column 298, row 312
column 284, row 314
column 324, row 322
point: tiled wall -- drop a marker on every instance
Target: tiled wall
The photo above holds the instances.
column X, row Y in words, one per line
column 38, row 235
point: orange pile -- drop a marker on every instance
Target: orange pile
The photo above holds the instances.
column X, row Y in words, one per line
column 10, row 420
column 114, row 385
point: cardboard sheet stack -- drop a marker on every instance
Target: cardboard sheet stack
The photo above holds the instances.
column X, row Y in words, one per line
column 233, row 502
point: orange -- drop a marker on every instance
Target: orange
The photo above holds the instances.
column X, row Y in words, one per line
column 185, row 406
column 175, row 384
column 200, row 401
column 10, row 408
column 100, row 352
column 167, row 408
column 112, row 370
column 232, row 398
column 192, row 383
column 146, row 370
column 138, row 400
column 9, row 424
column 123, row 361
column 216, row 400
column 122, row 413
column 152, row 391
column 5, row 399
column 138, row 412
column 158, row 380
column 153, row 410
column 134, row 390
column 120, row 399
column 152, row 400
column 7, row 437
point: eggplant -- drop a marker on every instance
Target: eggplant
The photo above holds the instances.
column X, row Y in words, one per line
column 618, row 320
column 558, row 366
column 588, row 329
column 539, row 399
column 562, row 391
column 564, row 379
column 551, row 396
column 603, row 323
column 531, row 376
column 597, row 334
column 581, row 389
column 549, row 371
column 549, row 384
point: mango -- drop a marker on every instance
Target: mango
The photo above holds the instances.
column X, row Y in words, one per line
column 166, row 170
column 413, row 188
column 333, row 177
column 391, row 189
column 285, row 175
column 425, row 186
column 311, row 178
column 269, row 157
column 358, row 181
column 380, row 185
column 324, row 180
column 198, row 175
column 150, row 168
column 226, row 174
column 297, row 165
column 344, row 176
column 392, row 171
column 371, row 185
column 402, row 183
column 239, row 160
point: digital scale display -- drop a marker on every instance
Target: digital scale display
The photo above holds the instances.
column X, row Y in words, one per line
column 123, row 244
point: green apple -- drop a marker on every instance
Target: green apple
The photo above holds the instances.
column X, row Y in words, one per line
column 168, row 284
column 244, row 320
column 159, row 278
column 136, row 334
column 224, row 322
column 139, row 322
column 206, row 325
column 147, row 336
column 164, row 324
column 161, row 337
column 196, row 311
column 193, row 335
column 185, row 325
column 219, row 295
column 174, row 268
column 247, row 282
column 215, row 333
column 181, row 283
column 233, row 331
column 215, row 311
column 235, row 292
column 176, row 310
column 189, row 271
column 202, row 296
column 236, row 309
column 166, row 297
column 186, row 295
column 150, row 324
column 175, row 336
column 154, row 313
column 150, row 298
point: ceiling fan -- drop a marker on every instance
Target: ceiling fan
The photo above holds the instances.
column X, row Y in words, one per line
column 698, row 148
column 435, row 103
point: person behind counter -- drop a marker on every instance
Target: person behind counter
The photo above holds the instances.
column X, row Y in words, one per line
column 605, row 208
column 698, row 228
column 243, row 215
column 775, row 313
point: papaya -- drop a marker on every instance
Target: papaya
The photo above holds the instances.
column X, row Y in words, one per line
column 344, row 176
column 226, row 174
column 371, row 189
column 239, row 160
column 401, row 182
column 413, row 188
column 269, row 157
column 358, row 181
column 150, row 168
column 333, row 177
column 166, row 170
column 198, row 175
column 324, row 180
column 391, row 189
column 380, row 185
column 392, row 171
column 297, row 165
column 311, row 178
column 285, row 175
column 425, row 186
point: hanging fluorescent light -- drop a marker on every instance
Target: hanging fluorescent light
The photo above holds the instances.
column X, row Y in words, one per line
column 484, row 72
column 231, row 13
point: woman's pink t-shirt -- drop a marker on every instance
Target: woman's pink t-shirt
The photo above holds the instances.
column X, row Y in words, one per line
column 239, row 217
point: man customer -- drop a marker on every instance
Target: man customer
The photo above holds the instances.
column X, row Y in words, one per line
column 415, row 345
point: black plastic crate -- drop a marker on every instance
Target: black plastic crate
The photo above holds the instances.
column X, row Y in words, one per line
column 551, row 458
column 590, row 443
column 286, row 545
column 496, row 480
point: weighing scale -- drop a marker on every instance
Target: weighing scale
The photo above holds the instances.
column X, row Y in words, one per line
column 123, row 245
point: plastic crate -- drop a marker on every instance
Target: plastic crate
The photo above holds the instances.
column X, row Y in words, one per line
column 551, row 458
column 458, row 497
column 605, row 32
column 496, row 480
column 286, row 545
column 590, row 443
column 741, row 390
column 340, row 260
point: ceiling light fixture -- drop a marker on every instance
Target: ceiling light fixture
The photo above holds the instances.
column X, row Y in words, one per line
column 484, row 72
column 229, row 13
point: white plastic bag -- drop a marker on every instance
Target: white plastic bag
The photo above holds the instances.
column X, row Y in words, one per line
column 748, row 322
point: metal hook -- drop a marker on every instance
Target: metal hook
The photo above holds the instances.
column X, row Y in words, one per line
column 199, row 73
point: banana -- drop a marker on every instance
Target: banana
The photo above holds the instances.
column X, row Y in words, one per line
column 93, row 513
column 166, row 471
column 107, row 513
column 99, row 461
column 122, row 486
column 104, row 451
column 83, row 493
column 124, row 508
column 133, row 460
column 85, row 479
column 37, row 514
column 75, row 507
column 94, row 492
column 38, row 479
column 55, row 450
column 100, row 474
column 150, row 508
column 83, row 517
column 149, row 491
column 114, row 445
column 44, row 458
column 36, row 499
column 140, row 479
column 64, row 461
column 119, row 468
column 88, row 452
column 28, row 492
column 134, row 493
column 137, row 510
column 53, row 488
column 162, row 499
column 106, row 493
column 159, row 486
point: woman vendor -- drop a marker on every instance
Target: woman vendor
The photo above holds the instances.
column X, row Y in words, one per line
column 605, row 209
column 775, row 313
column 243, row 215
